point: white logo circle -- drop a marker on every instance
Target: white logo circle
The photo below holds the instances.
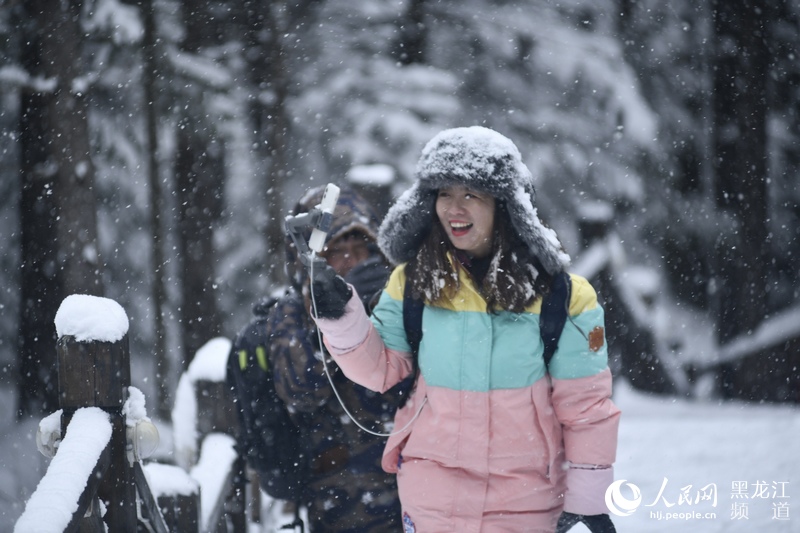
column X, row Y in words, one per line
column 619, row 504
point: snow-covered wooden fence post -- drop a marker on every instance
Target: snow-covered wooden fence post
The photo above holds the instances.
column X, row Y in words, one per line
column 179, row 503
column 205, row 425
column 96, row 373
column 216, row 414
column 95, row 482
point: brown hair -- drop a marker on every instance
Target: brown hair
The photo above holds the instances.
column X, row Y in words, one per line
column 514, row 280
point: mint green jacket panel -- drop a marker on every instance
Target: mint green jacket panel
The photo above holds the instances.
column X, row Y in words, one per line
column 477, row 351
column 574, row 357
column 387, row 317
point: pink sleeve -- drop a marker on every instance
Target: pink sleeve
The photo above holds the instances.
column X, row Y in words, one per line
column 590, row 421
column 344, row 334
column 588, row 417
column 586, row 489
column 360, row 352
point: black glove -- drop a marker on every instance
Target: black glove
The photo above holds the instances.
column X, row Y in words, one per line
column 368, row 277
column 331, row 293
column 597, row 523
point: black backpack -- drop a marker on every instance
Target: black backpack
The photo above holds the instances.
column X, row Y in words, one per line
column 268, row 439
column 555, row 310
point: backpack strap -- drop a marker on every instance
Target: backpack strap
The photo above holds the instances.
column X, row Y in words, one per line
column 412, row 319
column 412, row 322
column 555, row 309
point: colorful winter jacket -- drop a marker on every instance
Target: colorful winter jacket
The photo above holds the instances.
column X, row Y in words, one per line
column 483, row 400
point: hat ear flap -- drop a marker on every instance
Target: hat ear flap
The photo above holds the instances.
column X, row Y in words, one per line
column 406, row 224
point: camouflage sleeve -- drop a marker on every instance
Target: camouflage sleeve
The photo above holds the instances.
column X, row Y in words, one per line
column 300, row 379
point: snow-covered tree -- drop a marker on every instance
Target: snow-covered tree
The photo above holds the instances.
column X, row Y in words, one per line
column 257, row 101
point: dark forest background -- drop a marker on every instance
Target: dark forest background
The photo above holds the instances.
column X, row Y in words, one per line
column 150, row 150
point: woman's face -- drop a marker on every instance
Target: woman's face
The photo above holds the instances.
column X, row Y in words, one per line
column 468, row 219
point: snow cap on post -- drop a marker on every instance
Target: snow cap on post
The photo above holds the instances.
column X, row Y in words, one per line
column 209, row 363
column 91, row 318
column 482, row 160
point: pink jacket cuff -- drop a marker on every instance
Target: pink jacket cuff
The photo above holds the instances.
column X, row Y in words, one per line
column 586, row 490
column 346, row 333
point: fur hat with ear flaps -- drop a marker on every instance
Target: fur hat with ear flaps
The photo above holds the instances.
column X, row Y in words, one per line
column 484, row 161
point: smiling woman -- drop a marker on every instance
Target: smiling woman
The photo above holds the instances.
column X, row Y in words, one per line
column 491, row 437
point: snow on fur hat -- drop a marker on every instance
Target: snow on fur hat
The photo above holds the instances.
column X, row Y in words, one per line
column 479, row 159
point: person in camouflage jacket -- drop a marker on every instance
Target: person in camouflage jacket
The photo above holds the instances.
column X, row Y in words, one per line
column 348, row 491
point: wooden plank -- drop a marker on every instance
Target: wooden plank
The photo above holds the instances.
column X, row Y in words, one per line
column 156, row 520
column 118, row 486
column 181, row 512
column 80, row 523
column 93, row 373
column 216, row 524
column 92, row 521
column 75, row 374
column 236, row 506
column 215, row 409
column 254, row 490
column 112, row 368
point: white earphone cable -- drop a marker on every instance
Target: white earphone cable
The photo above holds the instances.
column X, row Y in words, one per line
column 330, row 378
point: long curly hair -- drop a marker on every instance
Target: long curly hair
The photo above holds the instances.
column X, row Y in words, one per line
column 514, row 280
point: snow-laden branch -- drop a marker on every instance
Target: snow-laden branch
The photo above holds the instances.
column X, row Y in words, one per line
column 773, row 331
column 200, row 68
column 608, row 252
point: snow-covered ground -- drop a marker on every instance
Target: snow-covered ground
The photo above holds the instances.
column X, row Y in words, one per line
column 698, row 466
column 739, row 460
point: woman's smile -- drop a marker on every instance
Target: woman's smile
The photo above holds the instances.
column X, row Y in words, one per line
column 459, row 229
